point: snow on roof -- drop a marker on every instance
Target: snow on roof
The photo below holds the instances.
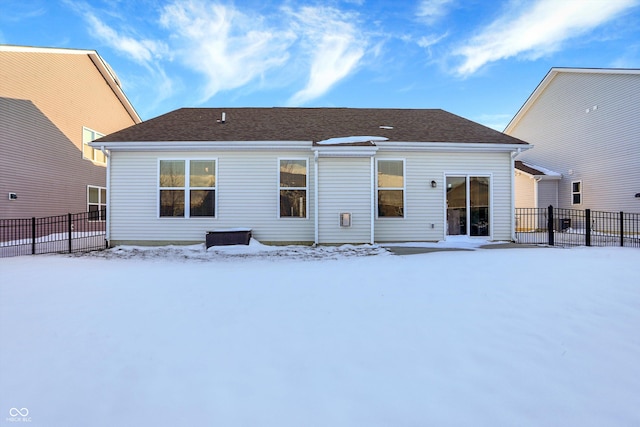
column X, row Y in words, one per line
column 535, row 170
column 351, row 140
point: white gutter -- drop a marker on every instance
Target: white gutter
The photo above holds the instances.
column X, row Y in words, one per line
column 202, row 145
column 350, row 152
column 315, row 200
column 513, row 193
column 449, row 146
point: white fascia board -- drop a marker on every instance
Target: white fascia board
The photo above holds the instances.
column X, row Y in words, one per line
column 451, row 146
column 36, row 49
column 345, row 151
column 203, row 145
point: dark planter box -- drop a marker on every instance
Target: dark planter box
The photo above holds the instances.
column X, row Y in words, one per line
column 232, row 236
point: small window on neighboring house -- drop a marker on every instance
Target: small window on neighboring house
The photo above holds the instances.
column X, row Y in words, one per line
column 187, row 183
column 293, row 188
column 88, row 152
column 576, row 193
column 391, row 188
column 96, row 203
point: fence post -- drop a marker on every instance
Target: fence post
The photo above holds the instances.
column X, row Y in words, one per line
column 69, row 225
column 621, row 228
column 33, row 235
column 550, row 225
column 587, row 226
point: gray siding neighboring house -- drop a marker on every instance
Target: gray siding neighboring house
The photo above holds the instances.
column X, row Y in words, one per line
column 293, row 174
column 584, row 124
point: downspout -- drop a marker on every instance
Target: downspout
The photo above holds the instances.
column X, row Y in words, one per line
column 373, row 200
column 513, row 193
column 107, row 221
column 315, row 199
column 536, row 182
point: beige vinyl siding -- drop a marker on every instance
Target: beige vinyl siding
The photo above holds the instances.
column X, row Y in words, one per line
column 344, row 186
column 67, row 88
column 596, row 146
column 525, row 192
column 45, row 100
column 547, row 194
column 41, row 165
column 247, row 196
column 425, row 205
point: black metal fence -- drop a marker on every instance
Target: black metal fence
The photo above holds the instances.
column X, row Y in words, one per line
column 573, row 227
column 80, row 232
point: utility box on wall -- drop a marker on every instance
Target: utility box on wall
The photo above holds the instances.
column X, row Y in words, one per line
column 345, row 219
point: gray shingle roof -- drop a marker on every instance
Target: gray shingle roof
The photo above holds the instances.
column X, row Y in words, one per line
column 309, row 124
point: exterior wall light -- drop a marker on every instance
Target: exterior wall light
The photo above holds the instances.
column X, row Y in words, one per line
column 434, row 184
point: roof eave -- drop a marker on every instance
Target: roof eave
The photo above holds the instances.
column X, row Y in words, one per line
column 452, row 146
column 201, row 145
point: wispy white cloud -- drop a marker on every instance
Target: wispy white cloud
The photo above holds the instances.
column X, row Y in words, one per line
column 228, row 47
column 536, row 29
column 430, row 11
column 431, row 40
column 335, row 45
column 147, row 53
column 141, row 51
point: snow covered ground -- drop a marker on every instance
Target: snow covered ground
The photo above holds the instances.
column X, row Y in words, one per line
column 350, row 336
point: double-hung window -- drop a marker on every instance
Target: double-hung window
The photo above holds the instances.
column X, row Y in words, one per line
column 390, row 188
column 576, row 193
column 293, row 186
column 187, row 188
column 88, row 152
column 96, row 203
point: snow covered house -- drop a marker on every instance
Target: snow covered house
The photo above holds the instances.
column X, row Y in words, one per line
column 53, row 102
column 584, row 125
column 309, row 175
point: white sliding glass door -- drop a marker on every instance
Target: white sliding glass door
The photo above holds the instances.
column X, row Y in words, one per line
column 468, row 206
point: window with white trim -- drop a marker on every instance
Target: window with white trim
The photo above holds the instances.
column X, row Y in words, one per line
column 89, row 152
column 187, row 183
column 293, row 186
column 96, row 203
column 390, row 185
column 576, row 192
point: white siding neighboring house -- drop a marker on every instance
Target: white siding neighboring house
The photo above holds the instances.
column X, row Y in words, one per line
column 585, row 125
column 305, row 175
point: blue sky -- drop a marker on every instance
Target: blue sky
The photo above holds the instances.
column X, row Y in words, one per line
column 476, row 58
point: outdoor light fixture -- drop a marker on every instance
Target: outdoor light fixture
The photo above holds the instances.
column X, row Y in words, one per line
column 433, row 184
